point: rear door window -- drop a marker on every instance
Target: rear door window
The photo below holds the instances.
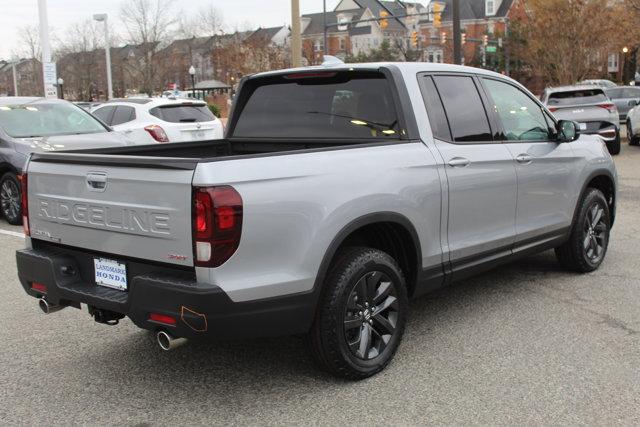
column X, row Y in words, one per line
column 465, row 112
column 105, row 114
column 122, row 115
column 183, row 113
column 327, row 105
column 435, row 110
column 577, row 97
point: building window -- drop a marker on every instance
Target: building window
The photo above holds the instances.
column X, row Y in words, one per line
column 318, row 45
column 343, row 44
column 612, row 63
column 490, row 7
column 435, row 56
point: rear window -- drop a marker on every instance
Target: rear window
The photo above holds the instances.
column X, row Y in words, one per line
column 327, row 105
column 183, row 113
column 577, row 97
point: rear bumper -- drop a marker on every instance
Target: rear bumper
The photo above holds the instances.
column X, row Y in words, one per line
column 200, row 310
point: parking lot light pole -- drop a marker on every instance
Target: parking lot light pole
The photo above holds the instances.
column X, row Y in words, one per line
column 60, row 84
column 192, row 73
column 103, row 17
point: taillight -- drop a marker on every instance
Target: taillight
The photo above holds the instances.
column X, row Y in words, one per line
column 553, row 109
column 217, row 224
column 157, row 133
column 24, row 203
column 608, row 106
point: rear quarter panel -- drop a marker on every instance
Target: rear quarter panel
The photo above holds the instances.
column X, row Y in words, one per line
column 296, row 204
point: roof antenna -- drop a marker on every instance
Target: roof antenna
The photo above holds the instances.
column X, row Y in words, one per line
column 330, row 60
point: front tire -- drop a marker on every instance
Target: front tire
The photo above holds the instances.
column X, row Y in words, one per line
column 587, row 245
column 361, row 315
column 11, row 198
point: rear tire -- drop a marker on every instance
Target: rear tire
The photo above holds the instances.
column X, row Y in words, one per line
column 587, row 245
column 361, row 314
column 633, row 140
column 11, row 198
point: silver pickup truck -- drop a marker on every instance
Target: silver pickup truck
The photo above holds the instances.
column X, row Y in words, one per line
column 338, row 193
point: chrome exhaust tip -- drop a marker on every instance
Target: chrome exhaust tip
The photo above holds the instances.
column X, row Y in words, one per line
column 48, row 308
column 167, row 342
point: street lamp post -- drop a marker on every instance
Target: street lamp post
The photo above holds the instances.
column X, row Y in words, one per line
column 103, row 17
column 60, row 84
column 192, row 73
column 625, row 51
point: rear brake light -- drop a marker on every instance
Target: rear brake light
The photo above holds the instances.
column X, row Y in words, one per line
column 39, row 287
column 24, row 203
column 157, row 133
column 162, row 318
column 308, row 75
column 217, row 224
column 608, row 106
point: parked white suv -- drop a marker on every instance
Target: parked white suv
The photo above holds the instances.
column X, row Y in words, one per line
column 160, row 120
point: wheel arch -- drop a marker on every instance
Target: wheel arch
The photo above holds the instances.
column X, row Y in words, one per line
column 397, row 235
column 604, row 181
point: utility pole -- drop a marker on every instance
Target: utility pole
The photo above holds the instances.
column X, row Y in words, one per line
column 15, row 79
column 324, row 19
column 457, row 34
column 103, row 17
column 49, row 77
column 296, row 42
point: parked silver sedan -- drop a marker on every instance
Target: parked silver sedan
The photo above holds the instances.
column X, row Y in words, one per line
column 625, row 98
column 590, row 107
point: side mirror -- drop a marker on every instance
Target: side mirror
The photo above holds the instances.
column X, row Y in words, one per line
column 568, row 131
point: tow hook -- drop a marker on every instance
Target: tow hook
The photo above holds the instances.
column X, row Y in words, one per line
column 48, row 308
column 167, row 342
column 105, row 317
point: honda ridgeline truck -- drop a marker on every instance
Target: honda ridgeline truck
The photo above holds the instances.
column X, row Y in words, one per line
column 338, row 193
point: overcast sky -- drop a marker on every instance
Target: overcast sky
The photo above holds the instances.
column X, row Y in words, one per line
column 15, row 14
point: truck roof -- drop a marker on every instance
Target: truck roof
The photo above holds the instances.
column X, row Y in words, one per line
column 404, row 67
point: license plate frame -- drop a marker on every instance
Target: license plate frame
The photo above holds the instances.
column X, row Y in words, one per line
column 110, row 273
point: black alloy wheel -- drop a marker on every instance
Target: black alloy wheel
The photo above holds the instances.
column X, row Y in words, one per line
column 371, row 315
column 595, row 234
column 11, row 199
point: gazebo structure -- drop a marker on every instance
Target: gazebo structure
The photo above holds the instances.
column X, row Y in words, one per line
column 207, row 87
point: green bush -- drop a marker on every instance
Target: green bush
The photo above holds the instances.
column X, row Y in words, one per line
column 214, row 109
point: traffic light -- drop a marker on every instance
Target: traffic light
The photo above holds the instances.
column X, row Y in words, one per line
column 414, row 39
column 485, row 40
column 443, row 38
column 437, row 14
column 384, row 22
column 464, row 38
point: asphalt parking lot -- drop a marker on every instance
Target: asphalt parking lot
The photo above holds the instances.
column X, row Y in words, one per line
column 525, row 344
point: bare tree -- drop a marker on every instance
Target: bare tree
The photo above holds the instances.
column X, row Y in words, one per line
column 29, row 42
column 149, row 23
column 209, row 20
column 81, row 60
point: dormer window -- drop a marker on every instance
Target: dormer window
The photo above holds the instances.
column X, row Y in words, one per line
column 490, row 7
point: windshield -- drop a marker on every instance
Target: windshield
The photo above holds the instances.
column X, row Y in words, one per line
column 47, row 119
column 341, row 105
column 577, row 97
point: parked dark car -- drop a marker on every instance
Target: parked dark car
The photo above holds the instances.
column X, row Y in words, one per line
column 625, row 98
column 42, row 125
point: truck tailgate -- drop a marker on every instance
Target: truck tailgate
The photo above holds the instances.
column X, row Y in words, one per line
column 136, row 211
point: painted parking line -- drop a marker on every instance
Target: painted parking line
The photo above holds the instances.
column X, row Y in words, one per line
column 12, row 233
